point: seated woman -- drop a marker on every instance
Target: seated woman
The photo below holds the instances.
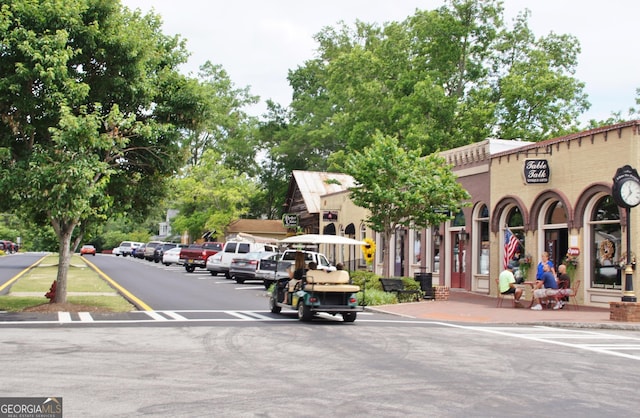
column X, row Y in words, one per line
column 297, row 271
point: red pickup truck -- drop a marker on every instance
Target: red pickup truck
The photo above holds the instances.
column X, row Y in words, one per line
column 196, row 255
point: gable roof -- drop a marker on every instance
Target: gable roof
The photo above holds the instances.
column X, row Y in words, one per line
column 314, row 184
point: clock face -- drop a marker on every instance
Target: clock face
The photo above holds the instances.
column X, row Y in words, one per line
column 630, row 193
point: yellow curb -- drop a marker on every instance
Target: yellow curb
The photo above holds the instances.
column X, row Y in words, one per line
column 119, row 288
column 22, row 273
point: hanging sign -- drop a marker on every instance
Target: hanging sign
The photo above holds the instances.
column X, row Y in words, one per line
column 290, row 220
column 536, row 171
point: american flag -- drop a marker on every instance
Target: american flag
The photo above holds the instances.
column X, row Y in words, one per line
column 511, row 244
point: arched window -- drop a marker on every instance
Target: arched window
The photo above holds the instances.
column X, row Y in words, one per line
column 606, row 248
column 513, row 249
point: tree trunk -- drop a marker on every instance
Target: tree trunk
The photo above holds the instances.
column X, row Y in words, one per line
column 386, row 262
column 64, row 232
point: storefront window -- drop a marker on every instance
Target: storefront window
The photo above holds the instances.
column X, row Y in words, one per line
column 606, row 238
column 515, row 253
column 482, row 225
column 417, row 246
column 437, row 238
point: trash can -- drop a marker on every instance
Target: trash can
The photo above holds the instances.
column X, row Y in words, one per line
column 426, row 284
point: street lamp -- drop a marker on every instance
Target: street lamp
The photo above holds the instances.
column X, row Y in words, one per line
column 463, row 235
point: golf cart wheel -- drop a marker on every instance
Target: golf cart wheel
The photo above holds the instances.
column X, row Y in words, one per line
column 349, row 316
column 304, row 312
column 273, row 304
column 190, row 269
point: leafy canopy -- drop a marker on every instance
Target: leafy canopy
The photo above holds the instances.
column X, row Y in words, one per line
column 85, row 129
column 401, row 188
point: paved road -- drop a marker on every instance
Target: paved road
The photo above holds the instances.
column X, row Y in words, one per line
column 249, row 362
column 172, row 288
column 12, row 266
column 323, row 369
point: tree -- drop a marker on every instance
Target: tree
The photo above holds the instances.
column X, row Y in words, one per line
column 210, row 196
column 85, row 130
column 438, row 80
column 219, row 120
column 401, row 188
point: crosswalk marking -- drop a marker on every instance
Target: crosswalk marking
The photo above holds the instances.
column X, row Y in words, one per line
column 156, row 316
column 175, row 316
column 85, row 316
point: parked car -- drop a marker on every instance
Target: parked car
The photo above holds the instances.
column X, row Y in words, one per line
column 244, row 267
column 214, row 264
column 220, row 262
column 127, row 247
column 88, row 249
column 160, row 249
column 116, row 251
column 196, row 255
column 138, row 252
column 8, row 247
column 150, row 248
column 171, row 256
column 266, row 267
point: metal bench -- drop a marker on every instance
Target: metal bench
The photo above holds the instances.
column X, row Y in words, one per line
column 397, row 286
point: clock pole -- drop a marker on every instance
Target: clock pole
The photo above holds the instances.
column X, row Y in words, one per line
column 628, row 295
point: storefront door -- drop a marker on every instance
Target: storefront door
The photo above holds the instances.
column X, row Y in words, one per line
column 457, row 262
column 556, row 243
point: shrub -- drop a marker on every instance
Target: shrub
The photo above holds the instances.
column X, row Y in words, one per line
column 365, row 279
column 375, row 297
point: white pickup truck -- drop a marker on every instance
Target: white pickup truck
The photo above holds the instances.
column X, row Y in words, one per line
column 273, row 268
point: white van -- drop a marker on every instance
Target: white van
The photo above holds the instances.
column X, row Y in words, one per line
column 219, row 263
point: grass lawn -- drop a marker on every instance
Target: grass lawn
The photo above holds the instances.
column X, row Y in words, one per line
column 84, row 287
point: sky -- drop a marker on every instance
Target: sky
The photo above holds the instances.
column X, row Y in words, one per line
column 258, row 41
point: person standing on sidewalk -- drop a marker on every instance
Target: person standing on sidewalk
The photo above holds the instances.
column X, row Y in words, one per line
column 544, row 259
column 507, row 283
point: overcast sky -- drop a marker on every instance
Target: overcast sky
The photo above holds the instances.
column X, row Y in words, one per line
column 258, row 41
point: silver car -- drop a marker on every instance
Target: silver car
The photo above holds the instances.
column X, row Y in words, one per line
column 243, row 266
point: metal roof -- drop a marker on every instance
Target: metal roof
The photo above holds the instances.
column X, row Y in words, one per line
column 314, row 184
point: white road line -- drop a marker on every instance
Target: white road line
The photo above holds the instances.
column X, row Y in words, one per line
column 553, row 339
column 64, row 317
column 85, row 316
column 258, row 316
column 241, row 316
column 175, row 316
column 156, row 316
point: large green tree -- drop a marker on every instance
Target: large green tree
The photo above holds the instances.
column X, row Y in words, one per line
column 438, row 80
column 401, row 188
column 210, row 195
column 86, row 129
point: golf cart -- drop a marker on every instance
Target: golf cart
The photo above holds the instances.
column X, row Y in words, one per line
column 319, row 290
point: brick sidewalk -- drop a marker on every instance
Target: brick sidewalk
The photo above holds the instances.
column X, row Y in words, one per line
column 464, row 306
